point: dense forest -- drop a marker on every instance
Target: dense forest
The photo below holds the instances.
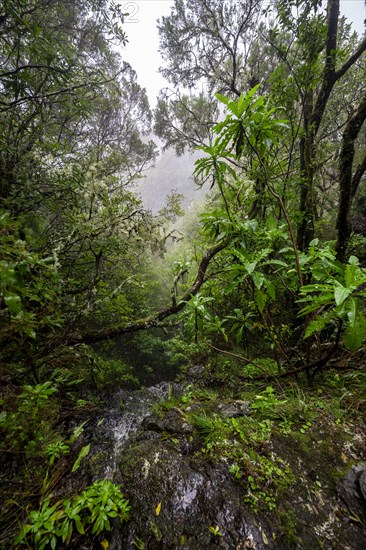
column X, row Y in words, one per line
column 260, row 289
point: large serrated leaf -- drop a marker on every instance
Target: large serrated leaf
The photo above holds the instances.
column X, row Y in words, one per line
column 351, row 271
column 356, row 326
column 222, row 98
column 318, row 324
column 258, row 279
column 341, row 293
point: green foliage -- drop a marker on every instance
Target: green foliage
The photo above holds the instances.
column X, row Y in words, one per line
column 28, row 287
column 84, row 451
column 250, row 124
column 27, row 425
column 275, row 474
column 265, row 403
column 215, row 531
column 42, row 526
column 240, row 442
column 28, row 431
column 336, row 295
column 107, row 371
column 79, row 251
column 63, row 521
column 196, row 315
column 181, row 351
column 55, row 450
column 252, row 129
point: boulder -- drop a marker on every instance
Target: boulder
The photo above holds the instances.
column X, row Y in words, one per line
column 352, row 491
column 234, row 409
column 184, row 503
column 173, row 422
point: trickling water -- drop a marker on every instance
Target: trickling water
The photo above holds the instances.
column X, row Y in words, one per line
column 127, row 413
column 180, row 497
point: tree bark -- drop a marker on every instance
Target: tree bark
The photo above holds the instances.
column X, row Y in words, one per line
column 312, row 122
column 347, row 184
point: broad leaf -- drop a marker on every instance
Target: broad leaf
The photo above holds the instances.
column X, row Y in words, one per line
column 260, row 299
column 82, row 454
column 341, row 293
column 351, row 271
column 356, row 326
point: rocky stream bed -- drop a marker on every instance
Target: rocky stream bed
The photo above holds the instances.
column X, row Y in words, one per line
column 180, row 499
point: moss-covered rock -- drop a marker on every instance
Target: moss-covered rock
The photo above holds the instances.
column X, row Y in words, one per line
column 186, row 493
column 184, row 502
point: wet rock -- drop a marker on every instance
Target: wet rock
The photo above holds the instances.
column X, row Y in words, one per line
column 179, row 498
column 362, row 482
column 351, row 490
column 234, row 409
column 173, row 422
column 196, row 372
column 194, row 408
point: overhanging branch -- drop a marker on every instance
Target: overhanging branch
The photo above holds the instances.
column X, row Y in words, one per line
column 155, row 319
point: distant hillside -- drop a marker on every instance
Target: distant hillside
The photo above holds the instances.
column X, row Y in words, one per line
column 170, row 172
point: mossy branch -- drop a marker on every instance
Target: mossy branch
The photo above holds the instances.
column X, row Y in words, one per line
column 155, row 319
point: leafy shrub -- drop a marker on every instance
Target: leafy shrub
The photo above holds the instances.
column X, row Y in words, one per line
column 29, row 425
column 110, row 372
column 93, row 508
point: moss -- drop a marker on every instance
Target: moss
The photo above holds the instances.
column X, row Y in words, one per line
column 300, row 441
column 340, row 470
column 159, row 409
column 288, row 525
column 97, row 463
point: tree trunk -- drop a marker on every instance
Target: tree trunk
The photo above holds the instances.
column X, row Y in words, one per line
column 348, row 184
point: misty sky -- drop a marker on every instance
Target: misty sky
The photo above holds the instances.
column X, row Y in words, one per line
column 142, row 50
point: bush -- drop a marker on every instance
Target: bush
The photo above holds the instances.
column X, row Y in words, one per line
column 93, row 508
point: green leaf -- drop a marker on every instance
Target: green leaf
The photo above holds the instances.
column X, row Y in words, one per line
column 13, row 303
column 82, row 454
column 356, row 326
column 351, row 271
column 222, row 98
column 258, row 279
column 260, row 299
column 79, row 527
column 250, row 267
column 341, row 293
column 318, row 324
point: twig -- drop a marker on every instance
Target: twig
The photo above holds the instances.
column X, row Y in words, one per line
column 241, row 357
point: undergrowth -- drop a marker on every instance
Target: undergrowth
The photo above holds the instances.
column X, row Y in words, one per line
column 282, row 409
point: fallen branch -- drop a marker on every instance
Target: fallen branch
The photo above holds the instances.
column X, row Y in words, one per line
column 155, row 319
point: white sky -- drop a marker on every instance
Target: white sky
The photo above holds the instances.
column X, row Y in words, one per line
column 143, row 42
column 142, row 49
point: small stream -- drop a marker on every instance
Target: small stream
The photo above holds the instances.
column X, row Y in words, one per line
column 112, row 432
column 193, row 495
column 127, row 412
column 178, row 500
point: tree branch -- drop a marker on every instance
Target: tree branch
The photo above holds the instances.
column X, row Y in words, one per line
column 24, row 67
column 155, row 319
column 360, row 170
column 351, row 60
